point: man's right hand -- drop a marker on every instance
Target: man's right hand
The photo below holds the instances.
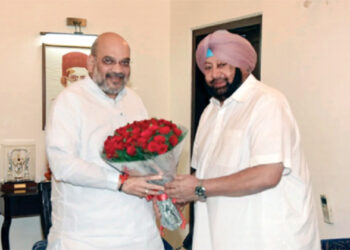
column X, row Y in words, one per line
column 182, row 188
column 140, row 186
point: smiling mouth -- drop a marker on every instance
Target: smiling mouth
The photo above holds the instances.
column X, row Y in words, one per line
column 115, row 79
column 114, row 75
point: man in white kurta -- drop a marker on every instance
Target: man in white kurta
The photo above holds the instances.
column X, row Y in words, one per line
column 88, row 210
column 248, row 159
column 253, row 127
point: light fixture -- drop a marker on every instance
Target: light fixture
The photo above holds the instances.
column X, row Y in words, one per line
column 75, row 38
column 77, row 23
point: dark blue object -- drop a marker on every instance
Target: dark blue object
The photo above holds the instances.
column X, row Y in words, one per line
column 167, row 246
column 336, row 244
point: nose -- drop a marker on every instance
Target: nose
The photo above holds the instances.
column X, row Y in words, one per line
column 117, row 68
column 216, row 73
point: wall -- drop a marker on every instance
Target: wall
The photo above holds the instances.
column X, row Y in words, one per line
column 305, row 54
column 145, row 27
column 309, row 61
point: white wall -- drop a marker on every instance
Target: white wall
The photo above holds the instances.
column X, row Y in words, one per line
column 305, row 54
column 144, row 24
column 307, row 57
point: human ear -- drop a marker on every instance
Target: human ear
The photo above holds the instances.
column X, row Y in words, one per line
column 64, row 81
column 91, row 61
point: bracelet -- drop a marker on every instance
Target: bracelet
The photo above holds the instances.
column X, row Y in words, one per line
column 122, row 177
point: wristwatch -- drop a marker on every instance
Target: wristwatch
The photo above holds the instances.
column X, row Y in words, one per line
column 200, row 191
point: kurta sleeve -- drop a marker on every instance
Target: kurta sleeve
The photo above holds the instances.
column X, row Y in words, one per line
column 63, row 142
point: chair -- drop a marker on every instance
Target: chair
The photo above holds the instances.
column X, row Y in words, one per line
column 45, row 216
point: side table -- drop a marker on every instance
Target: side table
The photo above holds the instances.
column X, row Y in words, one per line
column 18, row 204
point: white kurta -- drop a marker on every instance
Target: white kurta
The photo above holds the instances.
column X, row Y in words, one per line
column 254, row 126
column 88, row 211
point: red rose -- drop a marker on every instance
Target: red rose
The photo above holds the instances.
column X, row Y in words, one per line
column 118, row 138
column 135, row 130
column 173, row 140
column 177, row 131
column 144, row 124
column 142, row 142
column 153, row 147
column 109, row 147
column 163, row 148
column 130, row 140
column 121, row 131
column 147, row 133
column 131, row 150
column 159, row 139
column 153, row 127
column 153, row 121
column 120, row 146
column 164, row 130
column 165, row 122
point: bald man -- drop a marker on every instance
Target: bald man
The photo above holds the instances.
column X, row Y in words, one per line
column 251, row 186
column 90, row 208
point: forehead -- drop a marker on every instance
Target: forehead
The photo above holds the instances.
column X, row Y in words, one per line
column 79, row 71
column 116, row 48
column 212, row 59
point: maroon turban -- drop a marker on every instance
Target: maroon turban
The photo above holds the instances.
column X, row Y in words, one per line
column 227, row 47
column 73, row 59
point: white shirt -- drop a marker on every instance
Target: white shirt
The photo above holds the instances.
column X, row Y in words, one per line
column 254, row 126
column 88, row 212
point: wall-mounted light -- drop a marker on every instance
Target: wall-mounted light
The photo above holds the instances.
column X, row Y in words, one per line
column 77, row 23
column 75, row 38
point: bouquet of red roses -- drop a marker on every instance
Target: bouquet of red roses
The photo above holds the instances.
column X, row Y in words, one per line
column 149, row 147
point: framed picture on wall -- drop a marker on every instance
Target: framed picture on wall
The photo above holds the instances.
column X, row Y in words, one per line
column 62, row 65
column 18, row 161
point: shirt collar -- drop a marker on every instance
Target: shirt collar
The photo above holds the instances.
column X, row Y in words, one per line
column 241, row 94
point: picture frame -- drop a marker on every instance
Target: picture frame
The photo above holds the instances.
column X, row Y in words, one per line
column 56, row 62
column 18, row 161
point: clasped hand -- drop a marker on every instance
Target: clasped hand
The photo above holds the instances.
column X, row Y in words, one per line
column 140, row 186
column 182, row 188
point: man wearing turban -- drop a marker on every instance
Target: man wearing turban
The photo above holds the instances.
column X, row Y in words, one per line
column 251, row 185
column 73, row 67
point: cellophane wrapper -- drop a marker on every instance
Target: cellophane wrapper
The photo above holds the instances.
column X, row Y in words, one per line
column 164, row 165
